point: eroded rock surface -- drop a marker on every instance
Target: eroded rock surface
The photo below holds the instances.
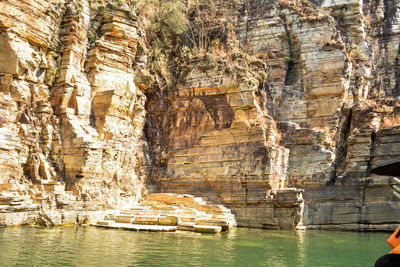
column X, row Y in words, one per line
column 71, row 113
column 171, row 212
column 293, row 150
column 330, row 116
column 223, row 144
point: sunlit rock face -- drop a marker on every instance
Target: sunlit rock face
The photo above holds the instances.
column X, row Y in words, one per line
column 295, row 150
column 100, row 108
column 331, row 103
column 223, row 144
column 71, row 112
column 331, row 116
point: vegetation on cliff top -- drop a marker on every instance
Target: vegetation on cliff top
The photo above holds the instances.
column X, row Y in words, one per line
column 177, row 36
column 180, row 35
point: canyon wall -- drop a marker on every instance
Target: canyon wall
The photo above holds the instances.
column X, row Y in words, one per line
column 223, row 144
column 71, row 113
column 295, row 148
column 327, row 114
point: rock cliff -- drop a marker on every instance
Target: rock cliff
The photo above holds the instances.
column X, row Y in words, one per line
column 279, row 116
column 321, row 120
column 71, row 112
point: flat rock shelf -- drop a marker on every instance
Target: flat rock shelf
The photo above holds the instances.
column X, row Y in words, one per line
column 172, row 212
column 137, row 227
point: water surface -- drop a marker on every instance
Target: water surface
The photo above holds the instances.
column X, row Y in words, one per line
column 90, row 246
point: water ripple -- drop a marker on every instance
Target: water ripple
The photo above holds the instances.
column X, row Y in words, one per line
column 89, row 246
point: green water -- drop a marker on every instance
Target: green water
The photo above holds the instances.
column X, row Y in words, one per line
column 90, row 246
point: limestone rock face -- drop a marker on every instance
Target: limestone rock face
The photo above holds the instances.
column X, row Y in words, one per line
column 223, row 144
column 71, row 113
column 293, row 150
column 331, row 115
column 100, row 107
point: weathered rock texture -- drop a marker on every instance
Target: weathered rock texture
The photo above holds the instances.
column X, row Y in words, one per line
column 71, row 112
column 326, row 116
column 223, row 144
column 72, row 115
column 171, row 212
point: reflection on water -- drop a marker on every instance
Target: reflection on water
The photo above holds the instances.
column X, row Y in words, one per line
column 301, row 251
column 89, row 246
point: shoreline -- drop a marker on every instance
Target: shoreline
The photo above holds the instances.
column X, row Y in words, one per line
column 28, row 221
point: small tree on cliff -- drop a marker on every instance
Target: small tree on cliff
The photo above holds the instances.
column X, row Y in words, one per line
column 211, row 23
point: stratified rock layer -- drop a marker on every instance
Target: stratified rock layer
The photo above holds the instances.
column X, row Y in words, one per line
column 71, row 113
column 171, row 212
column 223, row 144
column 295, row 149
column 331, row 115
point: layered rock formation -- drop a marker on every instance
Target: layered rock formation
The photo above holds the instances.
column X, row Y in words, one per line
column 171, row 212
column 223, row 144
column 330, row 116
column 73, row 111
